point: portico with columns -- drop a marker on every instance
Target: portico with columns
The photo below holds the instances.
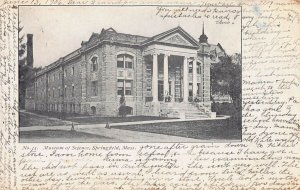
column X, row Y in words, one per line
column 171, row 76
column 173, row 67
column 174, row 70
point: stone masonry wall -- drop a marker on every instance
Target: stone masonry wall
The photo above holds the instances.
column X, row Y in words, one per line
column 90, row 76
column 206, row 80
column 111, row 102
column 73, row 99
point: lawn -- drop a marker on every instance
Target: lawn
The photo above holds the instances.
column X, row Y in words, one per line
column 204, row 129
column 61, row 136
column 98, row 120
column 229, row 129
column 89, row 119
column 28, row 120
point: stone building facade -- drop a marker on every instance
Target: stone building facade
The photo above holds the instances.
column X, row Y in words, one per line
column 154, row 74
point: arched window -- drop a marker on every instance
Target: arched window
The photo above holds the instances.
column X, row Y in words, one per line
column 94, row 64
column 125, row 61
column 125, row 74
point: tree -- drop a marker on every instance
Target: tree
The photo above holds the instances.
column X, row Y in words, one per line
column 22, row 69
column 226, row 78
column 26, row 72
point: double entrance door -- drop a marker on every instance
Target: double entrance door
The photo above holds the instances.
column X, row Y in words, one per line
column 173, row 89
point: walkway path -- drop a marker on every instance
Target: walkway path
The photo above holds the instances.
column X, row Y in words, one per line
column 120, row 135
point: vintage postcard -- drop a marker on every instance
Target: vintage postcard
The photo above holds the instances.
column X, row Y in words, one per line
column 178, row 82
column 150, row 95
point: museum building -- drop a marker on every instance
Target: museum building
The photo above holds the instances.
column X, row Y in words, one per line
column 167, row 74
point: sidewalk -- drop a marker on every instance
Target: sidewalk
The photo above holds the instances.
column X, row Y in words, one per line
column 122, row 135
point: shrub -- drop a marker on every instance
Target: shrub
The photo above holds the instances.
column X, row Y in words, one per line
column 122, row 100
column 125, row 110
column 197, row 99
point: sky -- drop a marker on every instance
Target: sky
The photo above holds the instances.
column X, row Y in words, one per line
column 59, row 30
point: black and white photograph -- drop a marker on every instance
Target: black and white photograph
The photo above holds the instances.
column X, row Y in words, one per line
column 129, row 74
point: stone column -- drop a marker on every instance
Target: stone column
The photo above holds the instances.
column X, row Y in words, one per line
column 185, row 80
column 166, row 75
column 154, row 79
column 194, row 77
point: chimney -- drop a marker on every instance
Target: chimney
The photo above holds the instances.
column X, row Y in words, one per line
column 29, row 50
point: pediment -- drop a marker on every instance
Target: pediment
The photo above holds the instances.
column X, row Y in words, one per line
column 177, row 39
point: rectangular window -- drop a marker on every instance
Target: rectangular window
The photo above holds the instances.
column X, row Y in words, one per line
column 198, row 68
column 120, row 62
column 73, row 90
column 128, row 87
column 58, row 93
column 65, row 91
column 190, row 67
column 120, row 87
column 125, row 61
column 94, row 88
column 190, row 89
column 124, row 87
column 128, row 65
column 72, row 71
column 128, row 62
column 65, row 73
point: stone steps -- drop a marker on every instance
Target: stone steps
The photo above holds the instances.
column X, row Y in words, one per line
column 187, row 110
